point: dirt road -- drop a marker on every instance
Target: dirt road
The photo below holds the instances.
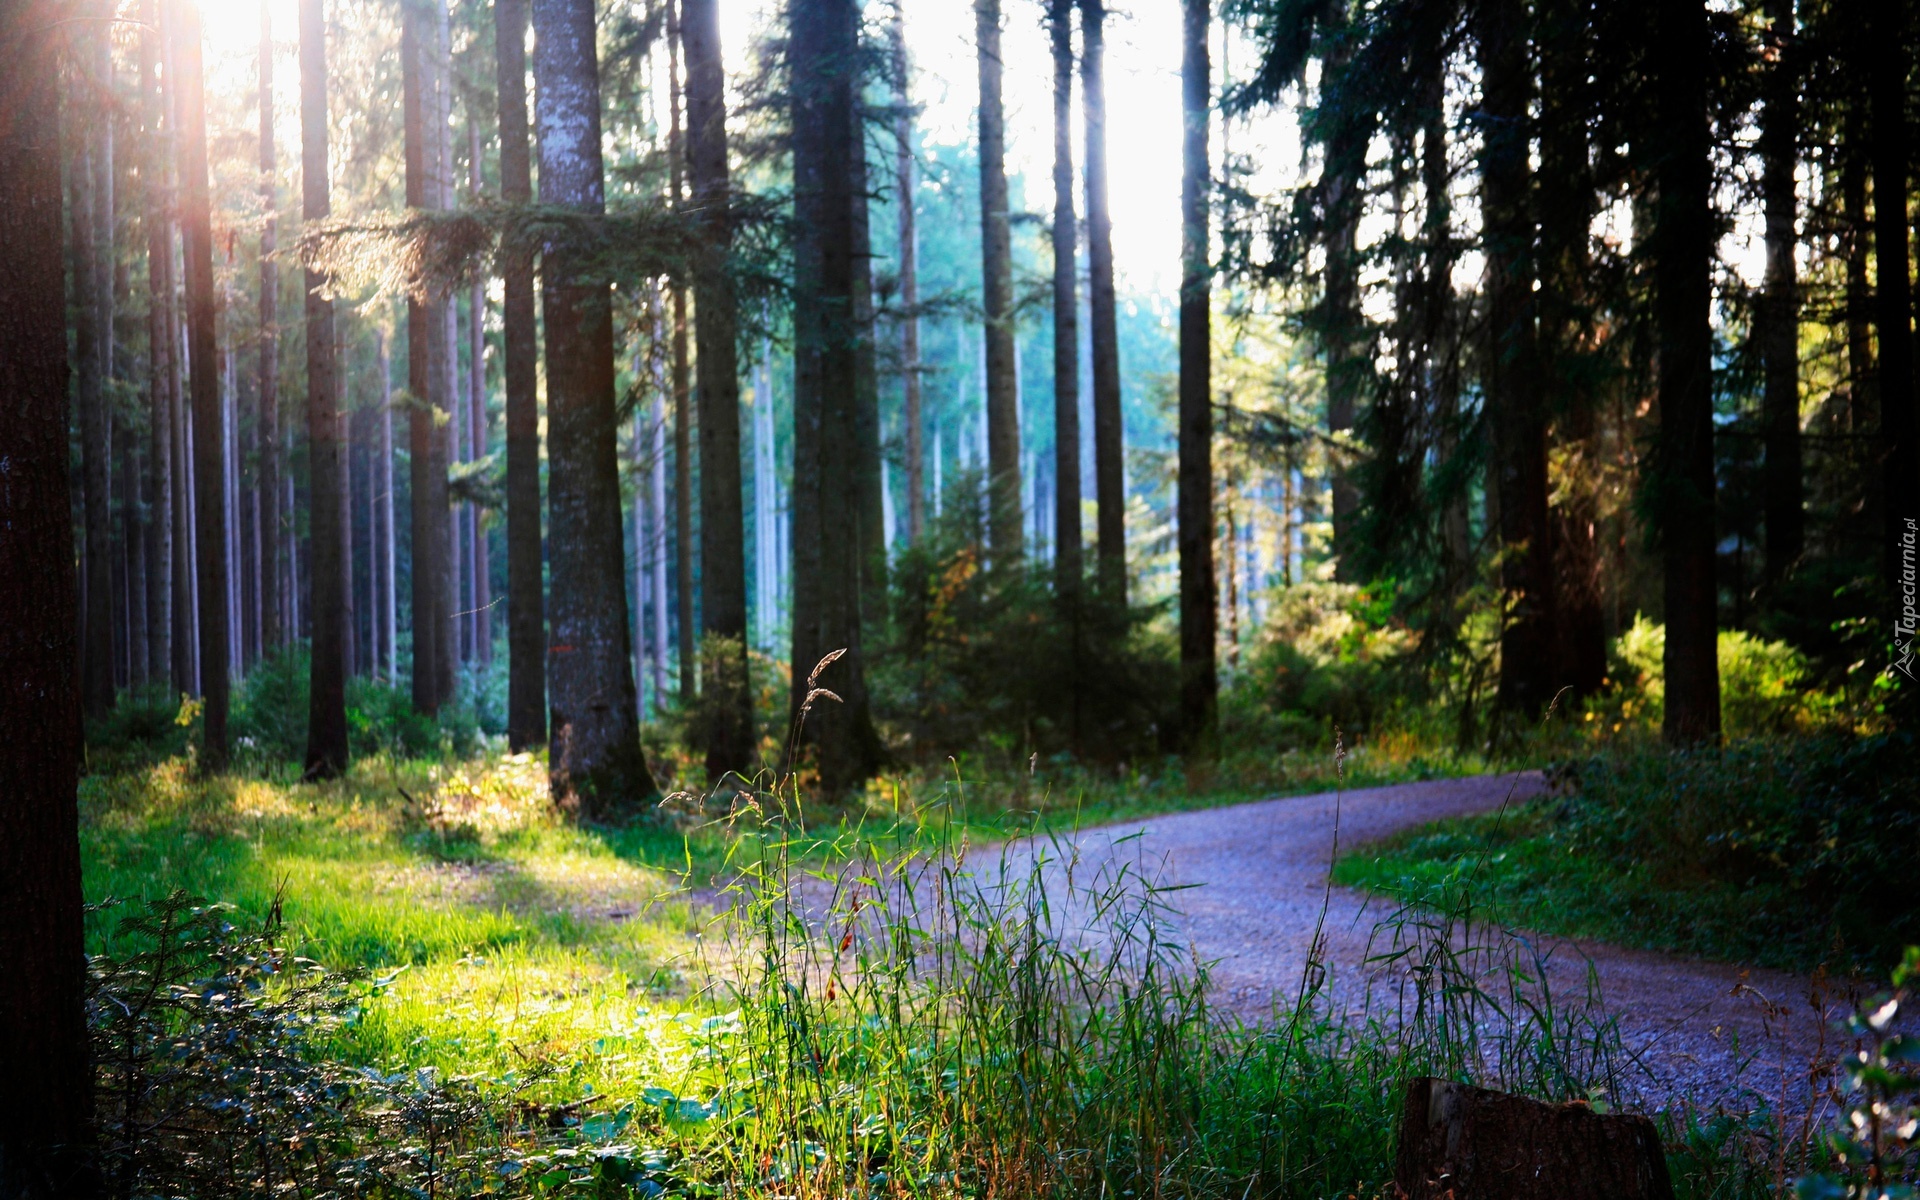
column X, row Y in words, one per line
column 1257, row 875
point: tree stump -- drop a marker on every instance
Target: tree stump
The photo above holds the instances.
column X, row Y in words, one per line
column 1459, row 1142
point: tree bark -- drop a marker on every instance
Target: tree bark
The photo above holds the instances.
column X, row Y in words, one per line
column 1066, row 311
column 1342, row 324
column 868, row 477
column 723, row 558
column 46, row 1082
column 1515, row 404
column 96, row 646
column 682, row 391
column 1683, row 471
column 428, row 376
column 1109, row 469
column 159, row 361
column 1564, row 194
column 594, row 753
column 909, row 278
column 1004, row 524
column 1458, row 1140
column 267, row 426
column 203, row 363
column 1780, row 305
column 1199, row 619
column 1893, row 294
column 478, row 562
column 1855, row 149
column 327, row 687
column 826, row 570
column 526, row 602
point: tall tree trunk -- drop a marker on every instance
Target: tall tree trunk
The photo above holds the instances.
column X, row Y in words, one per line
column 1564, row 200
column 869, row 476
column 1109, row 470
column 1515, row 404
column 526, row 602
column 909, row 278
column 326, row 509
column 1889, row 64
column 1857, row 235
column 1342, row 324
column 723, row 557
column 1780, row 307
column 595, row 744
column 386, row 544
column 1066, row 311
column 682, row 391
column 479, row 564
column 96, row 645
column 1683, row 473
column 1004, row 524
column 159, row 360
column 185, row 621
column 429, row 347
column 1198, row 618
column 46, row 1079
column 826, row 569
column 203, row 363
column 267, row 423
column 657, row 498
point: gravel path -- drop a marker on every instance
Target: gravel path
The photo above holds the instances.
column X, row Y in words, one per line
column 1257, row 876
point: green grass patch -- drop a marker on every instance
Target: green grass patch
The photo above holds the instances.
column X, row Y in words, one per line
column 1780, row 854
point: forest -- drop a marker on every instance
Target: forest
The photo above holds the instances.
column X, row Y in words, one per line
column 856, row 598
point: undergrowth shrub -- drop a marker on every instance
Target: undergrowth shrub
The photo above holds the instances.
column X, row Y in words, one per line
column 271, row 705
column 1766, row 688
column 977, row 656
column 1823, row 832
column 1329, row 654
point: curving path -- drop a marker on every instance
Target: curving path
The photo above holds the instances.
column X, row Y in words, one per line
column 1256, row 876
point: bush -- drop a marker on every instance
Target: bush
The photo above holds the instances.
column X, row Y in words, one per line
column 1820, row 834
column 979, row 657
column 1765, row 687
column 1330, row 654
column 270, row 716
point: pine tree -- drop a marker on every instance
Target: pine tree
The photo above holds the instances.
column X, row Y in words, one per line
column 996, row 265
column 526, row 598
column 594, row 748
column 46, row 1082
column 1198, row 616
column 823, row 53
column 723, row 558
column 326, row 515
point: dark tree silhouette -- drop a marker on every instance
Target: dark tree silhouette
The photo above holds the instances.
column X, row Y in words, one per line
column 46, row 1082
column 327, row 511
column 1515, row 407
column 1103, row 338
column 1199, row 683
column 595, row 753
column 723, row 556
column 1779, row 314
column 203, row 365
column 1683, row 472
column 1066, row 311
column 90, row 113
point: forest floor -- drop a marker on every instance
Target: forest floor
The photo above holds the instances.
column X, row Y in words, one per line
column 1254, row 893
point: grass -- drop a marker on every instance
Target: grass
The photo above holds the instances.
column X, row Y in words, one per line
column 840, row 1010
column 1791, row 854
